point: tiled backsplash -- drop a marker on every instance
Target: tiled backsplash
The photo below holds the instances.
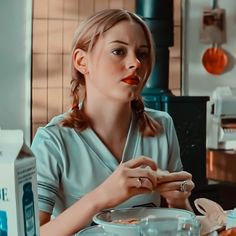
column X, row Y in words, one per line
column 54, row 22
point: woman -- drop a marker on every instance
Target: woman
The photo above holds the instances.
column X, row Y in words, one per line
column 106, row 150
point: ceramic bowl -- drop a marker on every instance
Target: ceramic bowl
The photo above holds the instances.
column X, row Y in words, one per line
column 93, row 231
column 117, row 220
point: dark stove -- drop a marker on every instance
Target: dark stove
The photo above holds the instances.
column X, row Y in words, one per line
column 188, row 112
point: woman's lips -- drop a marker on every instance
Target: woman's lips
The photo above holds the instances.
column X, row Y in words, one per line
column 132, row 80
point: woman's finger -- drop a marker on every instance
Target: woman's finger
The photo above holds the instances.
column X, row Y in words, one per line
column 169, row 186
column 146, row 173
column 181, row 186
column 175, row 195
column 143, row 183
column 174, row 176
column 139, row 172
column 139, row 183
column 141, row 161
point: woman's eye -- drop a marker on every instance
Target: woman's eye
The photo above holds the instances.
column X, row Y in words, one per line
column 142, row 55
column 118, row 51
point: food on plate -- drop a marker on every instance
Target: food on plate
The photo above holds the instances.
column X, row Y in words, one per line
column 126, row 221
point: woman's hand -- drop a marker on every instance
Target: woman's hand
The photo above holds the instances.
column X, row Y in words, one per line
column 129, row 179
column 176, row 187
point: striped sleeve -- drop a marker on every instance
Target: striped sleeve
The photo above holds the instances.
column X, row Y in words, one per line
column 47, row 154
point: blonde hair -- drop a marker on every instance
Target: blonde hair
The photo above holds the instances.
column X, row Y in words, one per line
column 85, row 38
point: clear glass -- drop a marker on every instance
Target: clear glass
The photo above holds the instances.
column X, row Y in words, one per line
column 158, row 226
column 188, row 227
column 167, row 226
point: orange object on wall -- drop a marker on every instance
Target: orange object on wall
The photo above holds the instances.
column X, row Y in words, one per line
column 215, row 60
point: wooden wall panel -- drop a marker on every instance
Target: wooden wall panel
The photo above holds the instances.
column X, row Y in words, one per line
column 39, row 71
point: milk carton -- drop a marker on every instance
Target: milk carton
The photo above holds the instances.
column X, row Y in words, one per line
column 18, row 190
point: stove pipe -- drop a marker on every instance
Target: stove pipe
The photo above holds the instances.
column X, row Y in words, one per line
column 188, row 112
column 158, row 15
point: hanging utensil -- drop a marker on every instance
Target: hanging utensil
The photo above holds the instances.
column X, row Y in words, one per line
column 214, row 59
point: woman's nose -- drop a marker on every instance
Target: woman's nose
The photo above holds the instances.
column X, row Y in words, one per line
column 133, row 62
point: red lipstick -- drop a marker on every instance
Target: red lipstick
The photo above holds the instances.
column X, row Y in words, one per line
column 131, row 79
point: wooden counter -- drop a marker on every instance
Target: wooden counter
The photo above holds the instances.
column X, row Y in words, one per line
column 221, row 166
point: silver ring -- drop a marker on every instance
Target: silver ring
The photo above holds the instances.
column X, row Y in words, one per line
column 183, row 186
column 140, row 181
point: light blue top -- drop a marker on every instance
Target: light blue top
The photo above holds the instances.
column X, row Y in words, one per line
column 71, row 164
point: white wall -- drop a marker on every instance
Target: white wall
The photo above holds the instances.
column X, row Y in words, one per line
column 196, row 81
column 15, row 65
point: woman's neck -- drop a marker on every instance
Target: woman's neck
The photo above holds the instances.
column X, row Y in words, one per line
column 108, row 114
column 111, row 123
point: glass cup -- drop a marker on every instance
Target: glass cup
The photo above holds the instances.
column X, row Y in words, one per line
column 188, row 227
column 158, row 226
column 169, row 226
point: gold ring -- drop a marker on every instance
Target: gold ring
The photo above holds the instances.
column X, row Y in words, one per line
column 140, row 181
column 183, row 186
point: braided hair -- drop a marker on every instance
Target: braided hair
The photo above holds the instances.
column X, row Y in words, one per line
column 85, row 38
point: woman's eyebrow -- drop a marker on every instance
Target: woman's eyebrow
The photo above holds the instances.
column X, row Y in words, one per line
column 122, row 42
column 119, row 41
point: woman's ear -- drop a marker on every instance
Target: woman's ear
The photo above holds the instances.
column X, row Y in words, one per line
column 80, row 61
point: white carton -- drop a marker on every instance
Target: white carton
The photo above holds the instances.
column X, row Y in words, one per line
column 18, row 186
